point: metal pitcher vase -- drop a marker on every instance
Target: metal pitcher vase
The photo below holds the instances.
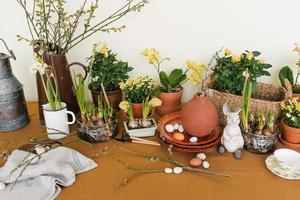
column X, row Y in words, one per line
column 13, row 110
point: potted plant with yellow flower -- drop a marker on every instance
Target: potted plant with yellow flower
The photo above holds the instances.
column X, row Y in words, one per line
column 171, row 89
column 291, row 122
column 105, row 68
column 136, row 91
column 140, row 127
column 287, row 73
column 225, row 84
column 199, row 115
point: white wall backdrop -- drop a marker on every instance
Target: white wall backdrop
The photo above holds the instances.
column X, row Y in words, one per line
column 179, row 29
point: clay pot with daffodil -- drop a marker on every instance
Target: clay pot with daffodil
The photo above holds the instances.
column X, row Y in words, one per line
column 136, row 90
column 105, row 68
column 170, row 89
column 199, row 115
column 291, row 123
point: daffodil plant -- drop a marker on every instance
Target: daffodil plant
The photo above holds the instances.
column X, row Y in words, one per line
column 105, row 68
column 49, row 81
column 228, row 70
column 169, row 82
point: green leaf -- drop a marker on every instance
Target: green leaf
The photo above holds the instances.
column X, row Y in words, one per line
column 164, row 80
column 286, row 73
column 256, row 53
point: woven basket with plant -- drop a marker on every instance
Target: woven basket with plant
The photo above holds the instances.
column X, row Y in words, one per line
column 225, row 85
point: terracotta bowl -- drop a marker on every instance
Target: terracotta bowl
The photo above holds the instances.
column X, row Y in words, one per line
column 290, row 134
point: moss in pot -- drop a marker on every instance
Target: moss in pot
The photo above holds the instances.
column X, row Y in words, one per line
column 170, row 84
column 105, row 68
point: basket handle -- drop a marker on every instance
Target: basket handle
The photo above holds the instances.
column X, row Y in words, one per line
column 288, row 88
column 12, row 54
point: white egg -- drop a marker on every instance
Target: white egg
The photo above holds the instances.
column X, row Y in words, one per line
column 169, row 128
column 201, row 156
column 205, row 164
column 177, row 170
column 33, row 159
column 2, row 186
column 193, row 139
column 180, row 128
column 176, row 126
column 168, row 171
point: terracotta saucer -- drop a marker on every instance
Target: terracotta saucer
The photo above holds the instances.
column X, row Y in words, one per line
column 173, row 118
column 291, row 145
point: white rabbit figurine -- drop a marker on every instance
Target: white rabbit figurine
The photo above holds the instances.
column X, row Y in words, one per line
column 232, row 139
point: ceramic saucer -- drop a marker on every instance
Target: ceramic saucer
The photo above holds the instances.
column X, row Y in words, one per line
column 273, row 164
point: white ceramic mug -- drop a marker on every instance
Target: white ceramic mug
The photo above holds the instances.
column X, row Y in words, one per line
column 289, row 159
column 56, row 122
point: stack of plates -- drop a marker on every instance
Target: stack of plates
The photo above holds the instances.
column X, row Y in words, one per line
column 203, row 144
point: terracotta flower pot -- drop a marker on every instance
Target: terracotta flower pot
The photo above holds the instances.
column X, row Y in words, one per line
column 199, row 116
column 137, row 109
column 171, row 102
column 290, row 134
column 114, row 97
column 296, row 95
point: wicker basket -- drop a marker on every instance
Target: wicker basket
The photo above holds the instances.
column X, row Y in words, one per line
column 266, row 98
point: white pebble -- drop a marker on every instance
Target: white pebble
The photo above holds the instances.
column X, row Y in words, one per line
column 168, row 171
column 176, row 126
column 180, row 128
column 193, row 139
column 205, row 164
column 169, row 128
column 201, row 156
column 33, row 159
column 2, row 186
column 177, row 170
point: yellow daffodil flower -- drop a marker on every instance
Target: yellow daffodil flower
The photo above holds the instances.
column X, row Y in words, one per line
column 249, row 55
column 236, row 58
column 102, row 49
column 124, row 105
column 227, row 52
column 154, row 102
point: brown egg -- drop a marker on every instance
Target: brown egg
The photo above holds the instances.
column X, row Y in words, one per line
column 178, row 136
column 196, row 162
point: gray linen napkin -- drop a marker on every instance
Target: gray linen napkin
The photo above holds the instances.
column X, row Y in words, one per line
column 42, row 180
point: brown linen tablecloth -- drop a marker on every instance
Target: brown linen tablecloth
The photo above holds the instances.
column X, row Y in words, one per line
column 250, row 177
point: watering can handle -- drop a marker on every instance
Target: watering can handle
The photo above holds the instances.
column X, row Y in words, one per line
column 81, row 65
column 12, row 54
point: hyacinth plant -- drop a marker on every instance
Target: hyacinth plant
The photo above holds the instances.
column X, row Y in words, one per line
column 49, row 81
column 53, row 29
column 169, row 82
column 247, row 90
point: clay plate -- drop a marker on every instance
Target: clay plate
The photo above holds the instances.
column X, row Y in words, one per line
column 173, row 118
column 288, row 144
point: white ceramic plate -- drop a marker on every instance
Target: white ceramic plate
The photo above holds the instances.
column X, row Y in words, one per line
column 274, row 166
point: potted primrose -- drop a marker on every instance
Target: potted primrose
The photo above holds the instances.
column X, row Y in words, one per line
column 105, row 68
column 141, row 127
column 96, row 124
column 171, row 89
column 260, row 134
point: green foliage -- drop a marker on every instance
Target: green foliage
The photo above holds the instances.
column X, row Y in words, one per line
column 286, row 73
column 107, row 70
column 291, row 109
column 228, row 71
column 172, row 81
column 247, row 90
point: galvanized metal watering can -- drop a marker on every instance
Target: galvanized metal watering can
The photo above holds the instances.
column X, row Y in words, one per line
column 13, row 110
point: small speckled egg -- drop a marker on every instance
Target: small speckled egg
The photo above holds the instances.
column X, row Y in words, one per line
column 205, row 164
column 177, row 170
column 169, row 128
column 201, row 156
column 168, row 171
column 180, row 129
column 2, row 185
column 176, row 126
column 196, row 162
column 193, row 139
column 178, row 136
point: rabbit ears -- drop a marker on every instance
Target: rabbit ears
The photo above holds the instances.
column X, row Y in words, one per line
column 226, row 110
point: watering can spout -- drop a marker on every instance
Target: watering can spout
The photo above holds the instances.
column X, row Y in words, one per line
column 12, row 54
